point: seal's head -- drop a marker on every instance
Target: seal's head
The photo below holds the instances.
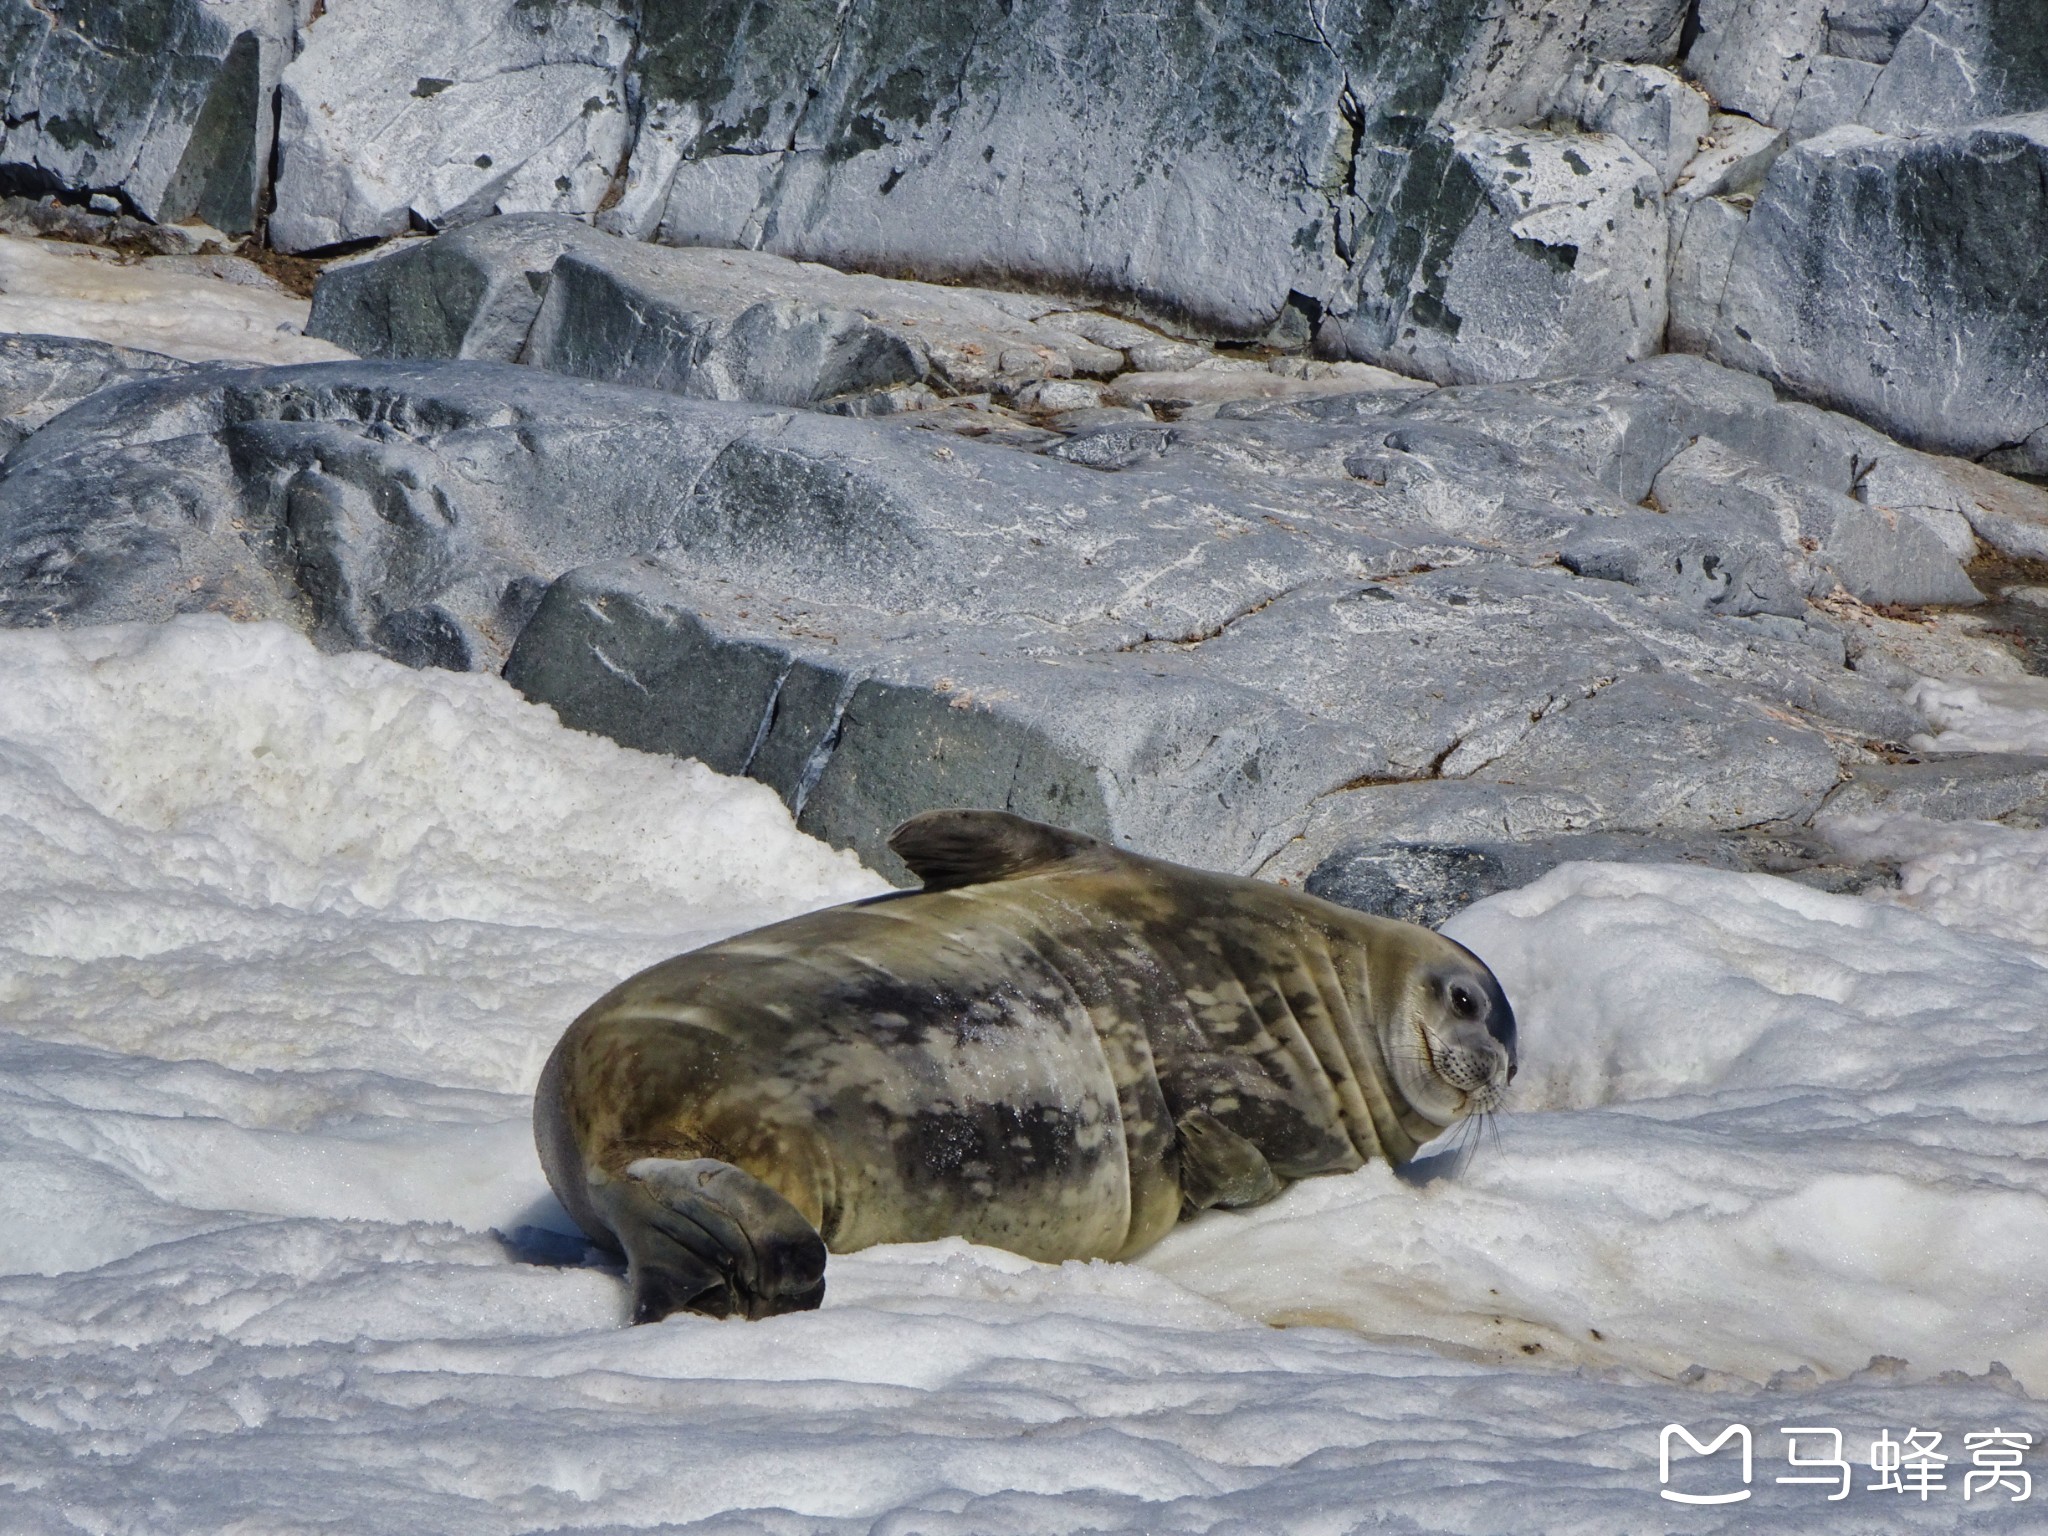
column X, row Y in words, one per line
column 1450, row 1035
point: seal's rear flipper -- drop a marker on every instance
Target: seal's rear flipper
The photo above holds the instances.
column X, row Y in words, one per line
column 946, row 849
column 1218, row 1167
column 704, row 1236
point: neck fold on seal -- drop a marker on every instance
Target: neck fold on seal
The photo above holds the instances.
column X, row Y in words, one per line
column 1377, row 1116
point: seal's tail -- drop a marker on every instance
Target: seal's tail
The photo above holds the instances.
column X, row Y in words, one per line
column 704, row 1236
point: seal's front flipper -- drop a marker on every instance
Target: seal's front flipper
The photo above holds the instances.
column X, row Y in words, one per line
column 704, row 1236
column 1218, row 1167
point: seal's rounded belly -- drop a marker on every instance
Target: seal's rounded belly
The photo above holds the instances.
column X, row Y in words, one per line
column 1055, row 1047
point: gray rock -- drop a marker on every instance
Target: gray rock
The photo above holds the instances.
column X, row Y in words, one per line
column 1212, row 390
column 1835, row 92
column 1429, row 882
column 747, row 325
column 1207, row 167
column 1714, row 557
column 1840, row 454
column 47, row 217
column 1992, row 786
column 43, row 375
column 1962, row 61
column 1868, row 31
column 1735, row 156
column 1752, row 56
column 1827, row 538
column 2010, row 515
column 1901, row 280
column 415, row 509
column 1621, row 428
column 728, row 325
column 405, row 113
column 1656, row 752
column 470, row 293
column 1655, row 113
column 1514, row 253
column 1196, row 642
column 165, row 104
column 1705, row 232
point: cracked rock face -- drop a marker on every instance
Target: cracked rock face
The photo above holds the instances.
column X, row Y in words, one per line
column 1904, row 280
column 41, row 376
column 1204, row 643
column 405, row 113
column 1518, row 255
column 163, row 104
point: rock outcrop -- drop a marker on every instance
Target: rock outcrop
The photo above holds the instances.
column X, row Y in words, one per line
column 42, row 376
column 162, row 104
column 1904, row 280
column 1203, row 636
column 1840, row 195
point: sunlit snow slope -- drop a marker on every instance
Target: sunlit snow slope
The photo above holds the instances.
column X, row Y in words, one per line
column 284, row 939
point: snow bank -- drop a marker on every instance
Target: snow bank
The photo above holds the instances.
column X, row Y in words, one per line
column 284, row 938
column 265, row 915
column 54, row 288
column 2006, row 714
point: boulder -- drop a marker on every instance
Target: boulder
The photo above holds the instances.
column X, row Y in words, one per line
column 1961, row 61
column 164, row 104
column 1212, row 171
column 1209, row 167
column 471, row 293
column 1900, row 280
column 1900, row 66
column 1752, row 56
column 41, row 376
column 160, row 103
column 1659, row 116
column 418, row 510
column 402, row 114
column 744, row 325
column 551, row 292
column 1428, row 882
column 1510, row 254
column 1825, row 538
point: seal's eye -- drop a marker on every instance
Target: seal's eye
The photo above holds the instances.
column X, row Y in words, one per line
column 1463, row 1003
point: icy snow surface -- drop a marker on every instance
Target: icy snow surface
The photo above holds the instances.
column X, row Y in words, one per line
column 2006, row 714
column 54, row 288
column 286, row 938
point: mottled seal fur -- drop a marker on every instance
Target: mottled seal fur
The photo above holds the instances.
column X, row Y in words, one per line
column 1055, row 1047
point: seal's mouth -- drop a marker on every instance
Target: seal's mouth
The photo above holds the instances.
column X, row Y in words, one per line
column 1485, row 1099
column 1479, row 1078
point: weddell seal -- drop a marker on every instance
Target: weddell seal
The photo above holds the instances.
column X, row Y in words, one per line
column 1054, row 1047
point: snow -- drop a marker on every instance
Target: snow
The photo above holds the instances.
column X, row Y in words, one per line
column 156, row 304
column 284, row 938
column 2006, row 714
